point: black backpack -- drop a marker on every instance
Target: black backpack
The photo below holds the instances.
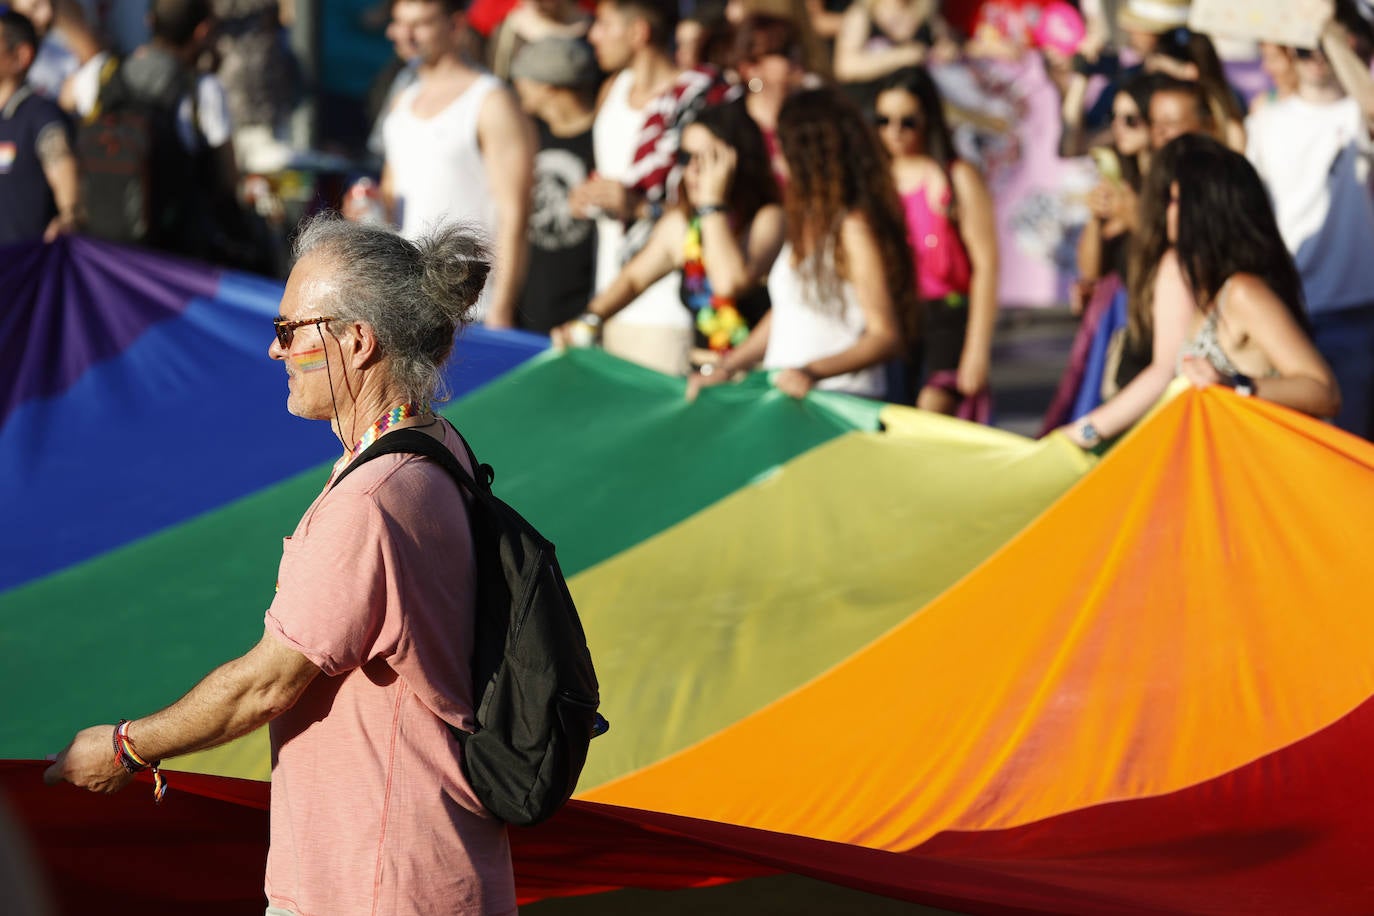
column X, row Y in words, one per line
column 140, row 185
column 534, row 686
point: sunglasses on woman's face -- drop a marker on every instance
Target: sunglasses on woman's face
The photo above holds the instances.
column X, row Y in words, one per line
column 910, row 122
column 1128, row 119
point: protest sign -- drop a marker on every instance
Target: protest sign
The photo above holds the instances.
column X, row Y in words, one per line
column 1280, row 21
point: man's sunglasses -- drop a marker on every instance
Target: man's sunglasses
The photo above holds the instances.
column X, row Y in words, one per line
column 911, row 122
column 286, row 330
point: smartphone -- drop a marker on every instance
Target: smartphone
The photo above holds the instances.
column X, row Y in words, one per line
column 1107, row 162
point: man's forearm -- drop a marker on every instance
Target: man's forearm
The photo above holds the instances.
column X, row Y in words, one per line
column 219, row 709
column 1349, row 70
column 65, row 183
column 231, row 701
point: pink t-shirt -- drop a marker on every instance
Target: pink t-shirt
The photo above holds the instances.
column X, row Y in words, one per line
column 371, row 813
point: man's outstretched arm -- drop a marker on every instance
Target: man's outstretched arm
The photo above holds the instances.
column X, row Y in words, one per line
column 231, row 701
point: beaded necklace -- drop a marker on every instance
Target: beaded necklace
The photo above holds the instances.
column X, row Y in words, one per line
column 388, row 420
column 717, row 318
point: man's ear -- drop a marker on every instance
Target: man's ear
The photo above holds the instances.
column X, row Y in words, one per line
column 639, row 32
column 364, row 350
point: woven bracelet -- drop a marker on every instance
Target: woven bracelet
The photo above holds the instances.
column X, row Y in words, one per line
column 129, row 758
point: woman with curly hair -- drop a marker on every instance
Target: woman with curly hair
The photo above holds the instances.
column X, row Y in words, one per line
column 843, row 283
column 954, row 234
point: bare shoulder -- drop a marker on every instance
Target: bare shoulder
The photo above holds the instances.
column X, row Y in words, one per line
column 1169, row 264
column 502, row 124
column 965, row 175
column 855, row 227
column 860, row 242
column 770, row 216
column 1248, row 297
column 968, row 181
column 500, row 105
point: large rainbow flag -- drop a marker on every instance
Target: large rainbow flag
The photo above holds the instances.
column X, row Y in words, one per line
column 893, row 651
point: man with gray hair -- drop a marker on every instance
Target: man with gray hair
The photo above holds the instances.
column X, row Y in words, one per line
column 556, row 79
column 365, row 662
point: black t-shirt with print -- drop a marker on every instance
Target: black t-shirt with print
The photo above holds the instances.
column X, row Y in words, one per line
column 562, row 261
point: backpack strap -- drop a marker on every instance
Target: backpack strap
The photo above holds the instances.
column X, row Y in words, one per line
column 414, row 442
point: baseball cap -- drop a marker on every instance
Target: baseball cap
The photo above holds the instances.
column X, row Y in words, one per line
column 565, row 62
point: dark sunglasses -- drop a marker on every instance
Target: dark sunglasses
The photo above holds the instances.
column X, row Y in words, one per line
column 286, row 330
column 684, row 157
column 1130, row 120
column 911, row 122
column 1305, row 53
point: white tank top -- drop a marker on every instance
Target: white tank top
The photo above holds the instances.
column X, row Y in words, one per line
column 436, row 166
column 614, row 133
column 802, row 331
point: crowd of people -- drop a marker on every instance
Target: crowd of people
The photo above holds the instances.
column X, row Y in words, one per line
column 709, row 187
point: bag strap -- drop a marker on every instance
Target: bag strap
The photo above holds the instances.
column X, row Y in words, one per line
column 414, row 442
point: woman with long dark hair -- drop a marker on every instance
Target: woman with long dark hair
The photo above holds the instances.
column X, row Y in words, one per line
column 1254, row 335
column 843, row 283
column 1177, row 277
column 953, row 232
column 723, row 237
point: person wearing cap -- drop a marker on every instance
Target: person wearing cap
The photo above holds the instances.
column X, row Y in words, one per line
column 556, row 81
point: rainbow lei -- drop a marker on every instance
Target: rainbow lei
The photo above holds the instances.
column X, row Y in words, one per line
column 716, row 316
column 389, row 419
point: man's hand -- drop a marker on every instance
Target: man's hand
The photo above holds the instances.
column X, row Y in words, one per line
column 597, row 196
column 61, row 224
column 89, row 762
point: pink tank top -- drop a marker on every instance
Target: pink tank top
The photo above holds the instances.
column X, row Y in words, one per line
column 942, row 265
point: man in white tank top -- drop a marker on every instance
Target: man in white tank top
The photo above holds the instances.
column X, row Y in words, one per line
column 459, row 149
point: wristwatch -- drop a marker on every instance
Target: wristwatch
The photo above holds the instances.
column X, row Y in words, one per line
column 586, row 330
column 1243, row 385
column 1088, row 433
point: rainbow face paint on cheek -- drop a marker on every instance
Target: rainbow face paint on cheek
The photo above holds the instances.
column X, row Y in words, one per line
column 310, row 360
